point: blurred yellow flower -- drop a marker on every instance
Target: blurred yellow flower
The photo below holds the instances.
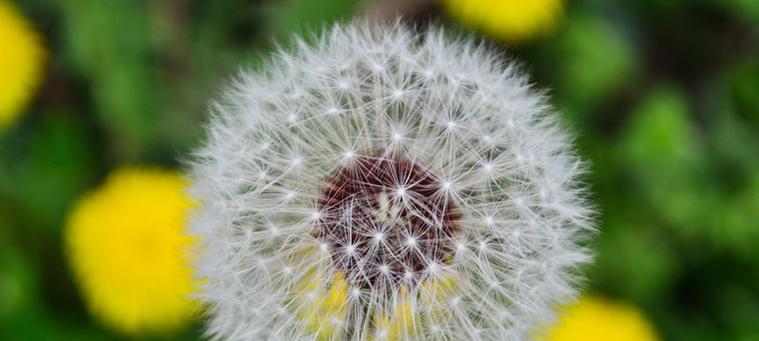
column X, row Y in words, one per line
column 325, row 306
column 21, row 56
column 126, row 246
column 596, row 319
column 512, row 21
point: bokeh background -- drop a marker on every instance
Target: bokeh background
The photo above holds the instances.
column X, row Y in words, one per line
column 663, row 96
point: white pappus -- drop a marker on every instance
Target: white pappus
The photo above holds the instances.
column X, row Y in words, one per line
column 386, row 184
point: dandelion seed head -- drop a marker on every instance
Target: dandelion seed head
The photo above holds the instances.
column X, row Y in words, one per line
column 394, row 206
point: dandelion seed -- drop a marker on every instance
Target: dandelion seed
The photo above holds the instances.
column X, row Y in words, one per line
column 489, row 221
column 411, row 241
column 296, row 161
column 350, row 250
column 376, row 239
column 379, row 237
column 447, row 185
column 384, row 269
column 400, row 192
column 355, row 292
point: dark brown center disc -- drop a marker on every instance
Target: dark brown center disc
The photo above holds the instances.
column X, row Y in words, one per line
column 387, row 221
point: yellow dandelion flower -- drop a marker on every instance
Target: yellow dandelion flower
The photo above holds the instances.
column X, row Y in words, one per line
column 400, row 324
column 513, row 21
column 126, row 246
column 595, row 318
column 21, row 59
column 324, row 306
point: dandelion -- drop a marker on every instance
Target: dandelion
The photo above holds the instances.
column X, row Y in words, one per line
column 21, row 59
column 513, row 21
column 126, row 246
column 384, row 185
column 597, row 319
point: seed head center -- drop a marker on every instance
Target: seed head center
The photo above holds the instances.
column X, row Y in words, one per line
column 388, row 221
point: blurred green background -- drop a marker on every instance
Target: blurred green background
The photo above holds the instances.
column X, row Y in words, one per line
column 663, row 96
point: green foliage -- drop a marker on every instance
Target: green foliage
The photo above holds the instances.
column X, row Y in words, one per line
column 659, row 130
column 304, row 17
column 596, row 60
column 45, row 168
column 620, row 260
column 108, row 44
column 745, row 9
column 743, row 80
column 659, row 150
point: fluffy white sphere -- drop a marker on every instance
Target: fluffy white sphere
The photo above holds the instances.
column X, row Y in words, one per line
column 383, row 184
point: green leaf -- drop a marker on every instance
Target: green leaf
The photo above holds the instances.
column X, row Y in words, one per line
column 46, row 168
column 109, row 43
column 743, row 80
column 595, row 60
column 658, row 148
column 633, row 261
column 660, row 131
column 299, row 17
